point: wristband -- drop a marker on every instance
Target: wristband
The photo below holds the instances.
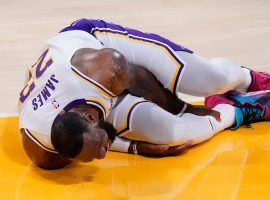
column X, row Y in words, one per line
column 184, row 108
column 134, row 147
column 182, row 111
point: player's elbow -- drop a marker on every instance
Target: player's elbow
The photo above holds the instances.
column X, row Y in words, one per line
column 119, row 69
column 41, row 157
column 117, row 58
column 50, row 164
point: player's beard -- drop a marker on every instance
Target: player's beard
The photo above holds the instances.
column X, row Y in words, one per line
column 108, row 127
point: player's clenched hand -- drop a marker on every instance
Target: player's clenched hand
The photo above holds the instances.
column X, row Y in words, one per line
column 158, row 150
column 202, row 111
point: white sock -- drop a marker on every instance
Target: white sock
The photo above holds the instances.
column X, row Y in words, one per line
column 244, row 86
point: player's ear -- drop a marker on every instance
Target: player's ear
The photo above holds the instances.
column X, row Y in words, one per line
column 88, row 116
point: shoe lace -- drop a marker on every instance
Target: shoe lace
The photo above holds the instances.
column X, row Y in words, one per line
column 250, row 113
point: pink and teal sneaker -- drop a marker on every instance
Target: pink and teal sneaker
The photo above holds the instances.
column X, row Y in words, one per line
column 259, row 81
column 249, row 108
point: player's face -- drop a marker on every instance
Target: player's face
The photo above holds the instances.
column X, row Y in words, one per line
column 97, row 141
column 99, row 136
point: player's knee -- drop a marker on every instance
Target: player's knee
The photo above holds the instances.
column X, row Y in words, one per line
column 176, row 135
column 167, row 136
column 219, row 84
column 219, row 61
column 194, row 128
column 226, row 82
column 229, row 75
column 232, row 72
column 179, row 138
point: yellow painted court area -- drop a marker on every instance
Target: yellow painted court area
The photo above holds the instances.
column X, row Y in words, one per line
column 232, row 165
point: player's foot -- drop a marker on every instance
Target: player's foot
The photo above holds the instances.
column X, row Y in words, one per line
column 259, row 81
column 249, row 108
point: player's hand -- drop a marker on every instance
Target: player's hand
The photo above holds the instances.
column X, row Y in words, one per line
column 202, row 111
column 158, row 150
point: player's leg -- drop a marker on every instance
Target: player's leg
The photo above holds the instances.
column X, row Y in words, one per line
column 169, row 62
column 175, row 66
column 137, row 119
column 152, row 124
column 151, row 51
column 202, row 77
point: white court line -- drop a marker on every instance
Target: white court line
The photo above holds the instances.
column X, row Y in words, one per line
column 13, row 114
column 191, row 99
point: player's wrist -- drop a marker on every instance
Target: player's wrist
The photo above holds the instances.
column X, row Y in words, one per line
column 189, row 108
column 132, row 149
column 185, row 108
column 120, row 145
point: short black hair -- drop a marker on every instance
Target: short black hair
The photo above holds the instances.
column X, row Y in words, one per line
column 67, row 134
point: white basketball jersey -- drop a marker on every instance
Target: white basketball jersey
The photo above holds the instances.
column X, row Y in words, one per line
column 55, row 86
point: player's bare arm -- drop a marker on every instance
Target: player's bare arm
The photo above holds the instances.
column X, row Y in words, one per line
column 146, row 85
column 157, row 150
column 112, row 70
column 42, row 158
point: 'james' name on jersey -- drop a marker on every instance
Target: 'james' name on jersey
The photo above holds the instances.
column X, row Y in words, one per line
column 55, row 86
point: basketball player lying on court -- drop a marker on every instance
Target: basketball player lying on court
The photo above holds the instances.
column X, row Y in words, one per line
column 74, row 85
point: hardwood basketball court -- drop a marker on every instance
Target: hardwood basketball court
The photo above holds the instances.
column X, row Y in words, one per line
column 232, row 165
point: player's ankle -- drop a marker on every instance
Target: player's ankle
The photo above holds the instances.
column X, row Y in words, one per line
column 244, row 87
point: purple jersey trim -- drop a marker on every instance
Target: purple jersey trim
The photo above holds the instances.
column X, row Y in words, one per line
column 69, row 106
column 154, row 42
column 90, row 25
column 128, row 117
column 78, row 102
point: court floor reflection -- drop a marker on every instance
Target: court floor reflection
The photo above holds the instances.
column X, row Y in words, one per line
column 232, row 165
